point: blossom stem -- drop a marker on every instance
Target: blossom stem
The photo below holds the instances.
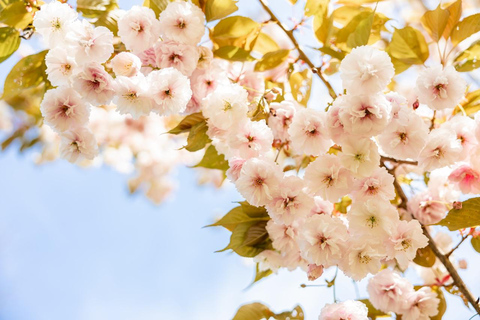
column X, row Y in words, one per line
column 302, row 54
column 413, row 163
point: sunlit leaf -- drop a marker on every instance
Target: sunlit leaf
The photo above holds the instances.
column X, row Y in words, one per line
column 333, row 53
column 235, row 31
column 253, row 311
column 314, row 6
column 425, row 257
column 156, row 5
column 301, row 85
column 264, row 43
column 26, row 83
column 471, row 103
column 408, row 46
column 248, row 243
column 213, row 160
column 435, row 21
column 271, row 60
column 259, row 275
column 218, row 9
column 187, row 123
column 361, row 34
column 469, row 59
column 343, row 204
column 455, row 12
column 442, row 306
column 323, row 26
column 109, row 20
column 16, row 15
column 241, row 214
column 466, row 217
column 233, row 53
column 465, row 28
column 357, row 2
column 9, row 42
column 95, row 8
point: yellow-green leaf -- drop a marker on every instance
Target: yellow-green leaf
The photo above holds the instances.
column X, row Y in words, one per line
column 466, row 217
column 271, row 60
column 476, row 243
column 357, row 2
column 361, row 34
column 233, row 53
column 109, row 19
column 95, row 8
column 425, row 257
column 259, row 275
column 471, row 103
column 314, row 6
column 442, row 306
column 187, row 123
column 469, row 59
column 465, row 28
column 435, row 21
column 253, row 311
column 16, row 15
column 197, row 138
column 333, row 53
column 26, row 83
column 409, row 46
column 301, row 85
column 343, row 204
column 244, row 213
column 264, row 44
column 156, row 5
column 213, row 160
column 455, row 12
column 218, row 9
column 248, row 243
column 235, row 31
column 9, row 42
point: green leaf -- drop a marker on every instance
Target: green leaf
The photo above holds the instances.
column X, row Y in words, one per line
column 435, row 21
column 253, row 311
column 197, row 138
column 264, row 44
column 455, row 12
column 296, row 314
column 271, row 60
column 16, row 15
column 373, row 313
column 469, row 59
column 218, row 9
column 301, row 86
column 187, row 123
column 476, row 243
column 357, row 2
column 361, row 34
column 425, row 257
column 241, row 214
column 9, row 42
column 343, row 204
column 312, row 7
column 408, row 46
column 95, row 8
column 248, row 243
column 323, row 27
column 235, row 31
column 465, row 28
column 213, row 160
column 26, row 84
column 233, row 53
column 156, row 5
column 466, row 217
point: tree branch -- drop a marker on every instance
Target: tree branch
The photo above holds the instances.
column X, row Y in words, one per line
column 457, row 280
column 302, row 54
column 413, row 163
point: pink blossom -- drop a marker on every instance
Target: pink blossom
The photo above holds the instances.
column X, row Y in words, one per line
column 95, row 84
column 388, row 291
column 467, row 179
column 351, row 310
column 180, row 56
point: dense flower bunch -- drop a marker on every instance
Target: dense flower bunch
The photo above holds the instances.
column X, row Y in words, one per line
column 299, row 164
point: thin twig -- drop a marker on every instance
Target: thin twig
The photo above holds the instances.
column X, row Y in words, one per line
column 413, row 163
column 302, row 54
column 456, row 247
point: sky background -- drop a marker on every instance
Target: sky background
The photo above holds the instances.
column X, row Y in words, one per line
column 75, row 245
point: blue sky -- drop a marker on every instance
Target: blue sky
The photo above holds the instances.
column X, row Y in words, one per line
column 75, row 245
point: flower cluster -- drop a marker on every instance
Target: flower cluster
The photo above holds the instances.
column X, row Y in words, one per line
column 300, row 164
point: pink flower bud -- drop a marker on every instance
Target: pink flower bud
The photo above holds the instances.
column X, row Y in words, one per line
column 314, row 271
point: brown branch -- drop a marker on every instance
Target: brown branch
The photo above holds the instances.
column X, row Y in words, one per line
column 413, row 163
column 457, row 280
column 302, row 54
column 456, row 247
